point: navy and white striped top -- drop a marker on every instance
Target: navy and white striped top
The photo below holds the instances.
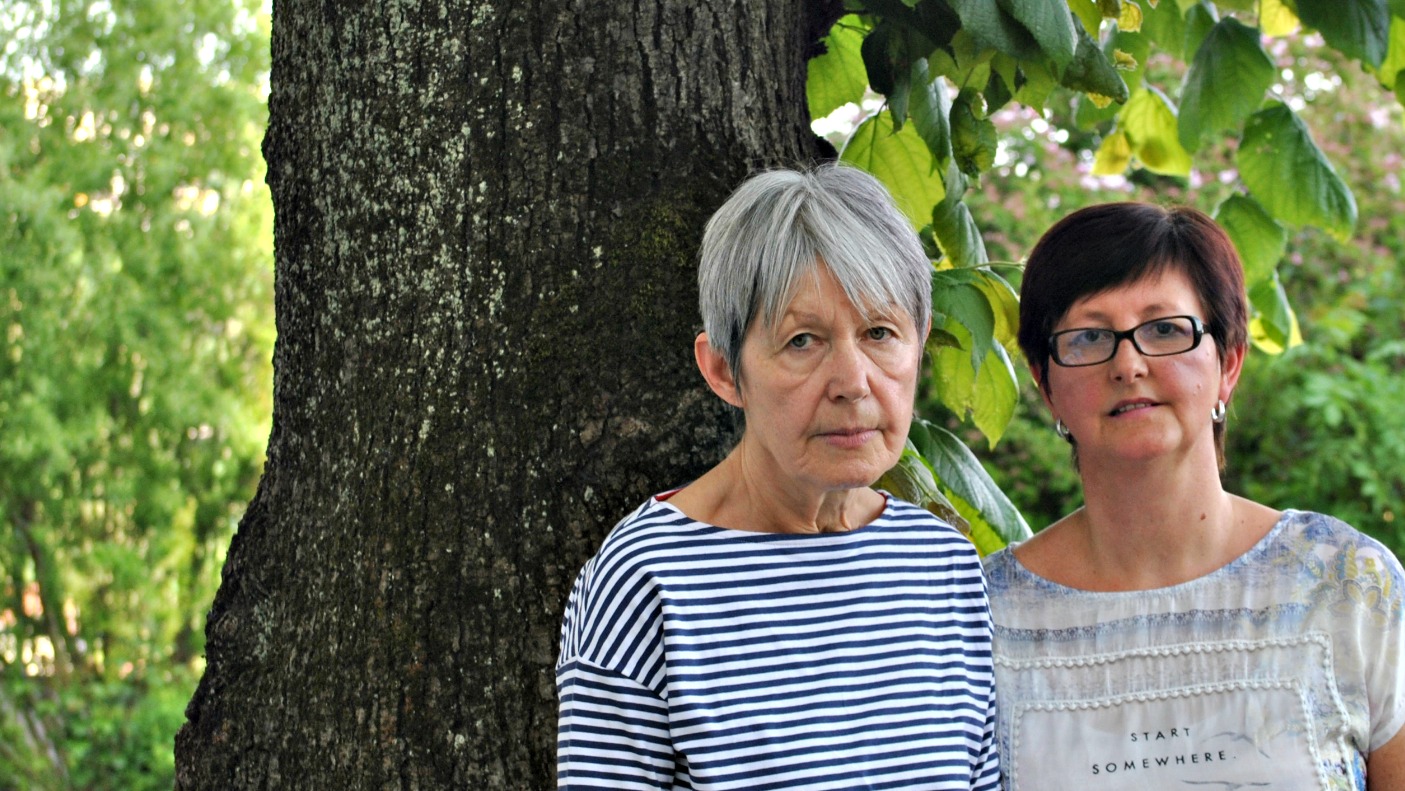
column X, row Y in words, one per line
column 697, row 657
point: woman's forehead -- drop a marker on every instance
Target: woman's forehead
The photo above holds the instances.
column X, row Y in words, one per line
column 1155, row 294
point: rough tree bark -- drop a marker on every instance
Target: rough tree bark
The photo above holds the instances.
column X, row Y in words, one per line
column 487, row 217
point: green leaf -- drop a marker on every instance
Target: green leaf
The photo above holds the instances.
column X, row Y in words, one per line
column 1166, row 26
column 1092, row 71
column 1199, row 21
column 992, row 28
column 960, row 473
column 877, row 52
column 1225, row 84
column 1051, row 24
column 933, row 19
column 911, row 479
column 1394, row 64
column 1038, row 83
column 930, row 108
column 838, row 77
column 1004, row 306
column 973, row 139
column 953, row 226
column 953, row 372
column 996, row 394
column 964, row 62
column 1359, row 28
column 1088, row 114
column 1274, row 327
column 1088, row 14
column 956, row 295
column 1149, row 122
column 1290, row 177
column 1258, row 237
column 901, row 161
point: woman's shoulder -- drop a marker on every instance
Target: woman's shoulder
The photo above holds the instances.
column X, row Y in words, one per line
column 652, row 526
column 1331, row 562
column 1325, row 535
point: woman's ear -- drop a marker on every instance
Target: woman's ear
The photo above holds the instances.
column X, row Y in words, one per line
column 1231, row 365
column 1042, row 383
column 716, row 371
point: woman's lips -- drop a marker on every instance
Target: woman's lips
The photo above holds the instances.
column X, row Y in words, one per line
column 1130, row 406
column 848, row 437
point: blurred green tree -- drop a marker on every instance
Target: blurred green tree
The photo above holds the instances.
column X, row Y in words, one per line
column 135, row 344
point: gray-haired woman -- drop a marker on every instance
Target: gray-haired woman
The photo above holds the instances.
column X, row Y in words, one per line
column 777, row 623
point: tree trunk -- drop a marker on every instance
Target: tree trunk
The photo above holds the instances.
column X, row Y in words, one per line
column 487, row 219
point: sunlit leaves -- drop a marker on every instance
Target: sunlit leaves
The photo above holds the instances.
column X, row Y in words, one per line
column 1274, row 326
column 1149, row 122
column 975, row 375
column 1113, row 156
column 1289, row 176
column 1359, row 28
column 901, row 161
column 837, row 77
column 1087, row 13
column 1225, row 84
column 1276, row 18
column 1393, row 67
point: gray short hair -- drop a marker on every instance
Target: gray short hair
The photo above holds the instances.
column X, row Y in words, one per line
column 779, row 225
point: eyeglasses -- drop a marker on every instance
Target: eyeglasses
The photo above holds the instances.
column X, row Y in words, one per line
column 1156, row 338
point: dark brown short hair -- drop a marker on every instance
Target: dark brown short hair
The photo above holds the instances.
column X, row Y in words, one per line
column 1109, row 245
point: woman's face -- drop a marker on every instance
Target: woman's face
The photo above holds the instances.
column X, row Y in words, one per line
column 828, row 395
column 1136, row 408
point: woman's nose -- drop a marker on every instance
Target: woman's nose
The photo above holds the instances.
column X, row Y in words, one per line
column 847, row 369
column 1127, row 361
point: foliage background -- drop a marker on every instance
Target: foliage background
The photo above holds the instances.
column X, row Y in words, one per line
column 135, row 383
column 136, row 312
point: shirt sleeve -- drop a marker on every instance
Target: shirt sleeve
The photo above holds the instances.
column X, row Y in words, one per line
column 612, row 732
column 987, row 774
column 1383, row 585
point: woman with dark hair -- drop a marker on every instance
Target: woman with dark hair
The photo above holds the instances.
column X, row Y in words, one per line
column 1169, row 634
column 777, row 623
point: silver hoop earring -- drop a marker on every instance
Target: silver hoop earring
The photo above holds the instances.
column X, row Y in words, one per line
column 1062, row 430
column 1217, row 414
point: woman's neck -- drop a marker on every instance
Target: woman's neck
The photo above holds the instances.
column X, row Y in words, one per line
column 1147, row 526
column 731, row 495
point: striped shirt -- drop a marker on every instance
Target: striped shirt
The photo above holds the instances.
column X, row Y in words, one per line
column 697, row 657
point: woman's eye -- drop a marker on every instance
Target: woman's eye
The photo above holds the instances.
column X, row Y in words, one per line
column 800, row 341
column 880, row 333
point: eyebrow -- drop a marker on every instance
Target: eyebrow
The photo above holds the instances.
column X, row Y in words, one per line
column 1153, row 311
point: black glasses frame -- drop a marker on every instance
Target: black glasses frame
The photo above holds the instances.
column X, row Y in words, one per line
column 1196, row 325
